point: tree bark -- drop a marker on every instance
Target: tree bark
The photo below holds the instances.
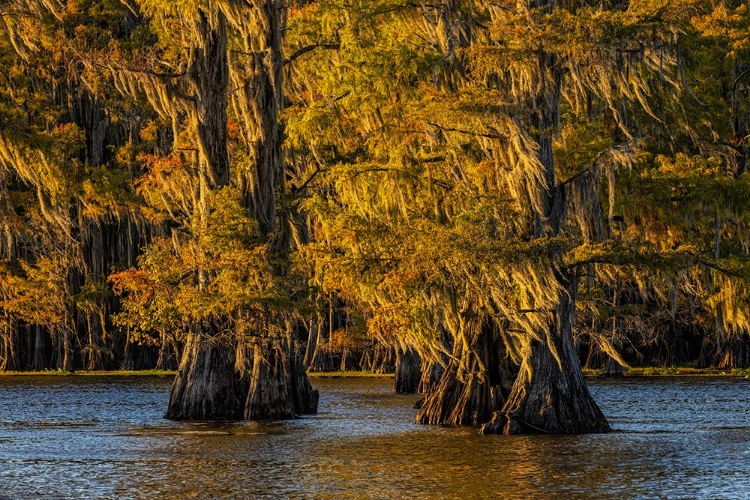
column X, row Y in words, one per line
column 734, row 352
column 9, row 354
column 612, row 368
column 432, row 372
column 473, row 385
column 550, row 394
column 313, row 336
column 279, row 387
column 39, row 360
column 68, row 361
column 408, row 373
column 379, row 358
column 207, row 385
column 167, row 355
column 257, row 76
column 209, row 73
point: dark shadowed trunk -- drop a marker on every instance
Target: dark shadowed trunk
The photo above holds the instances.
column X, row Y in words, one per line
column 127, row 358
column 207, row 385
column 9, row 360
column 549, row 394
column 733, row 352
column 63, row 354
column 431, row 373
column 322, row 355
column 279, row 387
column 94, row 354
column 473, row 385
column 257, row 77
column 167, row 357
column 327, row 358
column 379, row 358
column 612, row 368
column 432, row 370
column 314, row 334
column 209, row 74
column 39, row 359
column 351, row 357
column 408, row 373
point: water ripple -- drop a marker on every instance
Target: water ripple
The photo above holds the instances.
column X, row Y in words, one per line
column 89, row 438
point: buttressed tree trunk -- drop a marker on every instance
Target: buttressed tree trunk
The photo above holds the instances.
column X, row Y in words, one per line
column 207, row 385
column 549, row 394
column 408, row 373
column 279, row 387
column 472, row 386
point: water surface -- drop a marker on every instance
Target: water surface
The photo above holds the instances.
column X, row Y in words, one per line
column 104, row 437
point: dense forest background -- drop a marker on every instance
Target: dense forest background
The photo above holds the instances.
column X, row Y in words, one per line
column 464, row 191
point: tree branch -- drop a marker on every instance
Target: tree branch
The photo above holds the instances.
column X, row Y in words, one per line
column 309, row 48
column 467, row 132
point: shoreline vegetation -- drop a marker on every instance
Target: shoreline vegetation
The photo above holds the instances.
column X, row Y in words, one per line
column 634, row 372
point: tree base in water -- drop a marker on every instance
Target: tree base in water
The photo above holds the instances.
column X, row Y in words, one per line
column 548, row 398
column 470, row 391
column 408, row 373
column 279, row 386
column 207, row 386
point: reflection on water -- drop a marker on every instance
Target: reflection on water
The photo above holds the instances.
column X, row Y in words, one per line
column 89, row 437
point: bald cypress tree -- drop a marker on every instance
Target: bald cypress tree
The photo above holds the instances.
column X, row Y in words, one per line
column 242, row 357
column 447, row 201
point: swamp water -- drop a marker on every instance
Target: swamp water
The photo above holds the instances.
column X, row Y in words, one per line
column 104, row 437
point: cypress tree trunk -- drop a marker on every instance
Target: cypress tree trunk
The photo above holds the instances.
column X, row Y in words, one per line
column 279, row 387
column 473, row 385
column 9, row 353
column 127, row 357
column 550, row 394
column 313, row 335
column 67, row 349
column 209, row 74
column 351, row 358
column 167, row 355
column 327, row 358
column 94, row 350
column 612, row 368
column 432, row 372
column 734, row 352
column 39, row 360
column 322, row 355
column 379, row 358
column 207, row 385
column 408, row 373
column 257, row 75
